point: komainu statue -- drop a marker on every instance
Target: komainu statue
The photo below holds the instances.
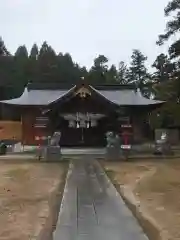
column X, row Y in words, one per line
column 55, row 139
column 52, row 152
column 113, row 149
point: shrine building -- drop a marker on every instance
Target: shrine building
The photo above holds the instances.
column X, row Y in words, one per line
column 83, row 113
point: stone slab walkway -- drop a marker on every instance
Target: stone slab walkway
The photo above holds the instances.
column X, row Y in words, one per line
column 92, row 209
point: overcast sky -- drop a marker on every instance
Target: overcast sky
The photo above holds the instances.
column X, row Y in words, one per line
column 85, row 28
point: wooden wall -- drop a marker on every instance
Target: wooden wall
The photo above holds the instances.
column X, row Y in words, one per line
column 31, row 129
column 72, row 137
column 27, row 128
column 10, row 130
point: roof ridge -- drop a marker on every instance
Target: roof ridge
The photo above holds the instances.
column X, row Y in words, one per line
column 67, row 86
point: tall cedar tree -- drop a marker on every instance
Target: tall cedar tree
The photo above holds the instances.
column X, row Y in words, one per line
column 6, row 71
column 138, row 74
column 122, row 77
column 21, row 69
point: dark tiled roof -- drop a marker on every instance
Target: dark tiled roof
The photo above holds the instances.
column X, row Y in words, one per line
column 126, row 97
column 115, row 94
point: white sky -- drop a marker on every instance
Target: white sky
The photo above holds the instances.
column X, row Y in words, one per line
column 85, row 28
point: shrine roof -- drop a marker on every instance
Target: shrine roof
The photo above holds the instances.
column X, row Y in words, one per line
column 124, row 95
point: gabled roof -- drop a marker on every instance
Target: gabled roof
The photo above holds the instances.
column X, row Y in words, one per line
column 119, row 95
column 126, row 97
column 38, row 97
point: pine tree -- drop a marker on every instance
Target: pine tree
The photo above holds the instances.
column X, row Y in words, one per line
column 164, row 68
column 173, row 28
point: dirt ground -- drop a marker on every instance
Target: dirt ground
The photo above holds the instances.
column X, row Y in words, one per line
column 26, row 191
column 155, row 187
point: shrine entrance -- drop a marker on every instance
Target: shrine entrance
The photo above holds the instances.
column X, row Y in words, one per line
column 83, row 119
column 83, row 129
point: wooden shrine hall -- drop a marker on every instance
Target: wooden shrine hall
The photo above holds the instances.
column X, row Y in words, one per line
column 83, row 113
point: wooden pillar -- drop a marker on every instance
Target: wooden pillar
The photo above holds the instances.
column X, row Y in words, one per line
column 137, row 123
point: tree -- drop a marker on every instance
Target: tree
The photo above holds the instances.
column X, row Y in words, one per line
column 69, row 71
column 47, row 64
column 32, row 69
column 164, row 68
column 98, row 72
column 21, row 52
column 172, row 26
column 3, row 49
column 82, row 71
column 34, row 52
column 122, row 73
column 101, row 62
column 169, row 92
column 137, row 72
column 6, row 71
column 21, row 77
column 112, row 75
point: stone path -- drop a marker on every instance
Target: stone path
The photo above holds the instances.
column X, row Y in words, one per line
column 82, row 151
column 92, row 209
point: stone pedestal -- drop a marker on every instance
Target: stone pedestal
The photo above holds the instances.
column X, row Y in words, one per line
column 52, row 153
column 113, row 148
column 162, row 144
column 163, row 148
column 113, row 153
